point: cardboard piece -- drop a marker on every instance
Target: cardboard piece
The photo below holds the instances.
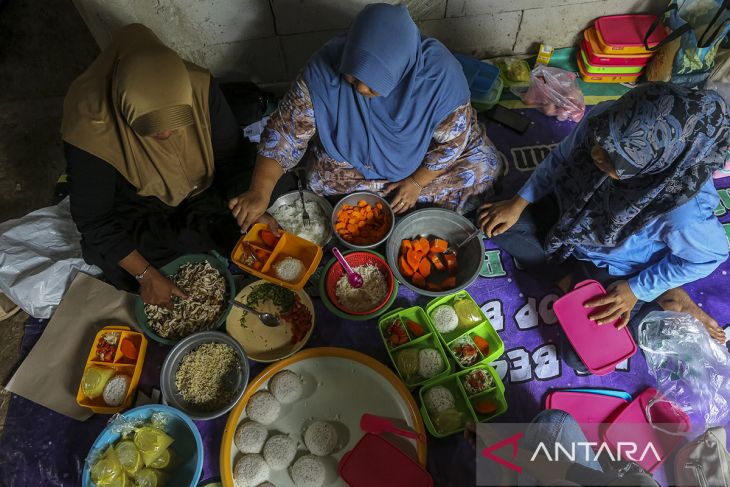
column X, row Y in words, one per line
column 51, row 373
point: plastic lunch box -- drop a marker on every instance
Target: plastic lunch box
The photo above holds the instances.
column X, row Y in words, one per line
column 120, row 363
column 600, row 347
column 615, row 70
column 429, row 340
column 590, row 410
column 484, row 81
column 590, row 47
column 604, row 78
column 464, row 403
column 483, row 329
column 625, row 33
column 289, row 245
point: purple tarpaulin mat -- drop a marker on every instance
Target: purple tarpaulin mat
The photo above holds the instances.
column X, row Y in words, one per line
column 42, row 448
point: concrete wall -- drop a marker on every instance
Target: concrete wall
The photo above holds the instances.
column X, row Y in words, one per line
column 268, row 41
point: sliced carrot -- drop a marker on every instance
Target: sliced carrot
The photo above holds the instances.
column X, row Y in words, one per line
column 433, row 287
column 269, row 239
column 424, row 267
column 449, row 283
column 362, row 203
column 416, row 329
column 424, row 245
column 436, row 261
column 485, row 407
column 419, row 280
column 129, row 350
column 405, row 269
column 405, row 246
column 481, row 344
column 413, row 257
column 439, row 245
column 451, row 263
column 257, row 265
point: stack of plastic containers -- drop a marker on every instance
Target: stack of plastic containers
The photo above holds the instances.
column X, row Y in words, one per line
column 613, row 50
column 484, row 81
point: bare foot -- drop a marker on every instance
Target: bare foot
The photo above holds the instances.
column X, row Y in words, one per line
column 679, row 301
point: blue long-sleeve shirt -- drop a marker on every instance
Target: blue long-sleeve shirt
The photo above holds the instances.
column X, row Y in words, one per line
column 681, row 246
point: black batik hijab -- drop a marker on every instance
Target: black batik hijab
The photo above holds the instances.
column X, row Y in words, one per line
column 665, row 141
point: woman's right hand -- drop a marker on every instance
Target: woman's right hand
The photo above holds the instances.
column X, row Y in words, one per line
column 498, row 217
column 248, row 207
column 158, row 289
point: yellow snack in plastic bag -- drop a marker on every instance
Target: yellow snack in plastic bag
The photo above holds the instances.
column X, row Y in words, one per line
column 152, row 443
column 107, row 469
column 129, row 456
column 467, row 311
column 163, row 461
column 95, row 379
column 148, row 477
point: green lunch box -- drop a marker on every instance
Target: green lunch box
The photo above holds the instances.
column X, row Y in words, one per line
column 465, row 403
column 428, row 340
column 484, row 329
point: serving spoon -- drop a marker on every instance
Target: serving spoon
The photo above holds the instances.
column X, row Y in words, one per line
column 267, row 319
column 455, row 250
column 353, row 277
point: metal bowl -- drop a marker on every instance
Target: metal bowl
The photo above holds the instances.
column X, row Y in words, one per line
column 444, row 224
column 236, row 381
column 292, row 196
column 352, row 200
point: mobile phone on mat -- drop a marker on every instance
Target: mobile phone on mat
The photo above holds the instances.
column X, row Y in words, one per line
column 509, row 118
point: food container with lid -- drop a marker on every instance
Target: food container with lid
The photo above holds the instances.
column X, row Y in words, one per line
column 596, row 57
column 288, row 245
column 427, row 340
column 600, row 69
column 126, row 359
column 480, row 330
column 491, row 401
column 484, row 81
column 625, row 33
column 604, row 78
column 589, row 410
column 600, row 347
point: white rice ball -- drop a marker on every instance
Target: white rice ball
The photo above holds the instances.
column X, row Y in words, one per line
column 250, row 437
column 430, row 363
column 263, row 407
column 320, row 438
column 286, row 386
column 279, row 451
column 438, row 399
column 251, row 470
column 289, row 269
column 445, row 318
column 116, row 390
column 308, row 471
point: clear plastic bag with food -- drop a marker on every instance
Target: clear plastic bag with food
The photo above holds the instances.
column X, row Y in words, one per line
column 556, row 92
column 691, row 369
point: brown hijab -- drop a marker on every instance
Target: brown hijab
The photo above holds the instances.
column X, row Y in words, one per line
column 135, row 88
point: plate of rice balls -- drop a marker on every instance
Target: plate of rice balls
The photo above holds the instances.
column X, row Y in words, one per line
column 265, row 344
column 299, row 417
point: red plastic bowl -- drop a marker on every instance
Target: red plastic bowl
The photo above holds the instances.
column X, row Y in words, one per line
column 355, row 259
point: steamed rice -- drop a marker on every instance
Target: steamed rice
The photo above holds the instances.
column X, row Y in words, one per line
column 373, row 291
column 289, row 218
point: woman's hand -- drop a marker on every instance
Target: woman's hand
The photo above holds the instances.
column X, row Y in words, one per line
column 498, row 217
column 406, row 194
column 158, row 289
column 616, row 304
column 248, row 207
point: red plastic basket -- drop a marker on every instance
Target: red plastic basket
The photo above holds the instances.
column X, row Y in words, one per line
column 355, row 259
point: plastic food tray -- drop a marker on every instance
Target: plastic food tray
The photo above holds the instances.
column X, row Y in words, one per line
column 289, row 245
column 484, row 81
column 625, row 33
column 604, row 78
column 589, row 44
column 600, row 347
column 618, row 70
column 120, row 363
column 484, row 329
column 429, row 340
column 589, row 410
column 464, row 402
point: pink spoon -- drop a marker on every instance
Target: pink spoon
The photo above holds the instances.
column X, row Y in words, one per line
column 377, row 425
column 353, row 277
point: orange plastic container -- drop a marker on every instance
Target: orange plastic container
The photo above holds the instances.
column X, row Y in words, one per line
column 604, row 78
column 289, row 245
column 121, row 364
column 596, row 56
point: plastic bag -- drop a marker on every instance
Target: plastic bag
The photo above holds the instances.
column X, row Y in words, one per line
column 692, row 370
column 556, row 92
column 41, row 253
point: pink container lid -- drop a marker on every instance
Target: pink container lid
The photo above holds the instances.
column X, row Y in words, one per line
column 588, row 409
column 377, row 461
column 631, row 427
column 600, row 347
column 629, row 30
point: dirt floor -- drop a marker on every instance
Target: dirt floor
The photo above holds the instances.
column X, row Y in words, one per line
column 44, row 45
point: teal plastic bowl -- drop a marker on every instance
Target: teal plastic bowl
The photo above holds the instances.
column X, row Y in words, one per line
column 216, row 261
column 187, row 447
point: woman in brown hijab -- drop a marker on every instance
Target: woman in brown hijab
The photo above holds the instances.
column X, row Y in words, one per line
column 153, row 154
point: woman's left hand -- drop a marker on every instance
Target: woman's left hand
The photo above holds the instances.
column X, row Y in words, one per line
column 406, row 195
column 615, row 305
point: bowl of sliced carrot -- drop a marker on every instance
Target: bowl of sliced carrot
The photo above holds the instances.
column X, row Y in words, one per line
column 362, row 220
column 417, row 252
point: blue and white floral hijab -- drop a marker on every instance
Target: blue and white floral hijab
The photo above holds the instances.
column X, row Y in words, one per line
column 665, row 142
